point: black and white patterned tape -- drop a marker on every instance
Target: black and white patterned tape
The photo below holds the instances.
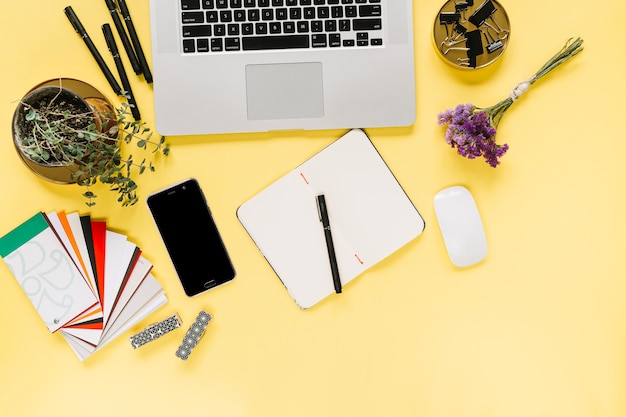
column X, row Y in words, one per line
column 154, row 331
column 193, row 335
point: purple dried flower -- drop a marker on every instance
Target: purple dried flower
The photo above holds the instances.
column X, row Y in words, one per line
column 472, row 130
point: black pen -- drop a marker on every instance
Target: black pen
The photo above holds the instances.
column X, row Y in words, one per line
column 123, row 36
column 135, row 40
column 78, row 27
column 108, row 36
column 323, row 212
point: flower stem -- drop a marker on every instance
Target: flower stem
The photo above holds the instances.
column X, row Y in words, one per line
column 496, row 111
column 572, row 48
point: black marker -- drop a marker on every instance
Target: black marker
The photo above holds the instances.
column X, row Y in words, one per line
column 69, row 12
column 123, row 36
column 133, row 37
column 108, row 36
column 323, row 212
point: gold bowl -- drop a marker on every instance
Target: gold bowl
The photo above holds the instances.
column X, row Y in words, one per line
column 471, row 35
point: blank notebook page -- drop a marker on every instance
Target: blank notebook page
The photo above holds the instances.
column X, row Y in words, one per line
column 370, row 217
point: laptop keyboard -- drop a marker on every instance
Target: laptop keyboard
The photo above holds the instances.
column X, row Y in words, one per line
column 214, row 26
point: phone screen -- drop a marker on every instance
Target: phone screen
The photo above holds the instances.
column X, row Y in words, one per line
column 191, row 237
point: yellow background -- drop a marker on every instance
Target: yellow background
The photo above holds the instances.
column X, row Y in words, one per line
column 537, row 329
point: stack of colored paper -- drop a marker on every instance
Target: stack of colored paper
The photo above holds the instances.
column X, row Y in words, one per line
column 87, row 282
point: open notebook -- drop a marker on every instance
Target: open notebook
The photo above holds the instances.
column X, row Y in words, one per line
column 371, row 217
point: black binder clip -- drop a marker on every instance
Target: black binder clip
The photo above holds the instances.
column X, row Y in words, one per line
column 461, row 8
column 483, row 15
column 473, row 46
column 459, row 31
column 458, row 37
column 469, row 62
column 492, row 43
column 447, row 19
column 474, row 43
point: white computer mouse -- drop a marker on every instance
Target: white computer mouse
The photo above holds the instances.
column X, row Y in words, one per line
column 461, row 226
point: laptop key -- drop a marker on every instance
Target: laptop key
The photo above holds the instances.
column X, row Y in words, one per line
column 267, row 14
column 275, row 27
column 195, row 31
column 282, row 13
column 295, row 13
column 351, row 11
column 232, row 44
column 256, row 43
column 189, row 45
column 260, row 28
column 233, row 29
column 239, row 15
column 317, row 26
column 303, row 26
column 318, row 40
column 367, row 24
column 247, row 29
column 254, row 15
column 212, row 17
column 289, row 27
column 190, row 4
column 370, row 10
column 217, row 45
column 203, row 45
column 193, row 17
column 226, row 16
column 219, row 30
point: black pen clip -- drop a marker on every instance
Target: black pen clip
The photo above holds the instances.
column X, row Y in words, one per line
column 320, row 200
column 121, row 4
column 111, row 6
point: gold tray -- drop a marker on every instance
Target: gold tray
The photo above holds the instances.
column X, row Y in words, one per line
column 471, row 35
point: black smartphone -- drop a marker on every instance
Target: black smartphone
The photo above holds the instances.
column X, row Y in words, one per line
column 191, row 237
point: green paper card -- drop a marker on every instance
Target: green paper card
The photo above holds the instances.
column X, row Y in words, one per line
column 46, row 272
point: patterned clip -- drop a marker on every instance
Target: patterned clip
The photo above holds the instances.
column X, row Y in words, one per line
column 193, row 335
column 154, row 331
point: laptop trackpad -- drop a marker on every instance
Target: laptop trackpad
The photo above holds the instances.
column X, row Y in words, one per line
column 284, row 91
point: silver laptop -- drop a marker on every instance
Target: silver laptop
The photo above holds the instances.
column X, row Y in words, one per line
column 227, row 66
